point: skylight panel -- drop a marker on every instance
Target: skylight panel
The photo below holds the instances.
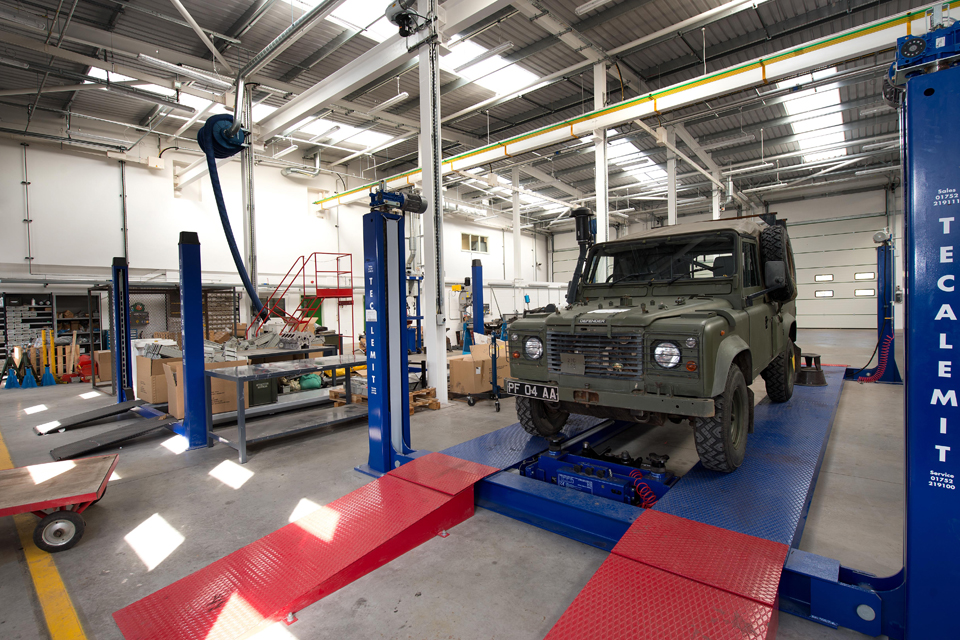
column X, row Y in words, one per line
column 808, row 101
column 495, row 73
column 261, row 111
column 357, row 15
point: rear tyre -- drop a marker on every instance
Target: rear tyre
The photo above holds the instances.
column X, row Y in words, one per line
column 59, row 531
column 722, row 439
column 540, row 419
column 775, row 245
column 779, row 375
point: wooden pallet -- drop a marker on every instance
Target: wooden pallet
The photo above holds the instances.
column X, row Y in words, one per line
column 422, row 398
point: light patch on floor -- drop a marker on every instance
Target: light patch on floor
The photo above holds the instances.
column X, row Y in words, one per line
column 231, row 474
column 114, row 476
column 276, row 631
column 43, row 472
column 153, row 540
column 47, row 427
column 177, row 444
column 322, row 523
column 304, row 507
column 90, row 394
column 236, row 617
column 35, row 409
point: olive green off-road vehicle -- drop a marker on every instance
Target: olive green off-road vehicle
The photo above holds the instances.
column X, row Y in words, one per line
column 670, row 324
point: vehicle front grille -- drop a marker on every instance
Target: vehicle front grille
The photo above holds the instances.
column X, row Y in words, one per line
column 601, row 354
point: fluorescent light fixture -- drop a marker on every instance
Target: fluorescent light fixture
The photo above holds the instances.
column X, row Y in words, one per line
column 868, row 172
column 755, row 167
column 719, row 144
column 860, row 293
column 27, row 20
column 14, row 63
column 865, row 275
column 489, row 53
column 283, row 152
column 875, row 110
column 590, row 6
column 526, row 226
column 185, row 72
column 326, row 134
column 824, row 294
column 386, row 104
column 826, row 277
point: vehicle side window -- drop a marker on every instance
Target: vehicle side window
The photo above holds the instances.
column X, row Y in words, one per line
column 751, row 265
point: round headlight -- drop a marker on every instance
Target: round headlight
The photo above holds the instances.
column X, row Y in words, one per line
column 667, row 355
column 533, row 347
column 691, row 343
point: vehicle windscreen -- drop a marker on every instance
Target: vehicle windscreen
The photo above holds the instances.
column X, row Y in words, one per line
column 668, row 259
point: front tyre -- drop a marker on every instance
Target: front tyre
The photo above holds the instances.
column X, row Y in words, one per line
column 722, row 439
column 779, row 375
column 540, row 419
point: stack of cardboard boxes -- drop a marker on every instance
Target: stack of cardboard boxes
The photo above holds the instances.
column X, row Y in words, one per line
column 473, row 373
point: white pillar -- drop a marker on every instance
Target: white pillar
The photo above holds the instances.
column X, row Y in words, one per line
column 717, row 196
column 433, row 298
column 249, row 212
column 517, row 270
column 600, row 153
column 671, row 179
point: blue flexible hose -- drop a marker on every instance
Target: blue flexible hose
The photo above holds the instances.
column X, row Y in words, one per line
column 217, row 144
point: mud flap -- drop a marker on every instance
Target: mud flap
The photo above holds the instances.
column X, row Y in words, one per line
column 751, row 398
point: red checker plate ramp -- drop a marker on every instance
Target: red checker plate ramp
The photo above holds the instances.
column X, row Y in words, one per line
column 743, row 565
column 443, row 473
column 627, row 600
column 296, row 565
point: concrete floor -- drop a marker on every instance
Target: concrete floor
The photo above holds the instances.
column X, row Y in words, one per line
column 493, row 577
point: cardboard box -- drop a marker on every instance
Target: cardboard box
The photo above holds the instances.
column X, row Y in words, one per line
column 103, row 361
column 220, row 337
column 481, row 353
column 466, row 374
column 151, row 382
column 223, row 393
column 240, row 329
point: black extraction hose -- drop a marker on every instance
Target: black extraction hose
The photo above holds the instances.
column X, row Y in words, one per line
column 216, row 144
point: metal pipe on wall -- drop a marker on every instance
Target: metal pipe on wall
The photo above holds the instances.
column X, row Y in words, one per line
column 123, row 209
column 26, row 208
column 249, row 201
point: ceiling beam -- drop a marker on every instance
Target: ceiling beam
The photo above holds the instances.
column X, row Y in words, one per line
column 546, row 179
column 374, row 63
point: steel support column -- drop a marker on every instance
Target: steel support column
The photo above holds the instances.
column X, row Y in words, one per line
column 600, row 153
column 435, row 317
column 121, row 330
column 194, row 425
column 249, row 209
column 517, row 241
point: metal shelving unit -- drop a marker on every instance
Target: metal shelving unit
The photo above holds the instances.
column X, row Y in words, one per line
column 26, row 315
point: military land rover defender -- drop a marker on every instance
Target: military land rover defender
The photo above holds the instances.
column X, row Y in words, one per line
column 666, row 325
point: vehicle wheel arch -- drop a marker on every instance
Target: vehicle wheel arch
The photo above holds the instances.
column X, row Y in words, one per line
column 733, row 350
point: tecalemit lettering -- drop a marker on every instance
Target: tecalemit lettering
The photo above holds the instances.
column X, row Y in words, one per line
column 598, row 316
column 945, row 314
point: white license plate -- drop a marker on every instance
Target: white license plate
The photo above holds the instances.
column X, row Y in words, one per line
column 539, row 391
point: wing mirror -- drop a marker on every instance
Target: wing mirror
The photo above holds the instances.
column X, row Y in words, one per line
column 775, row 274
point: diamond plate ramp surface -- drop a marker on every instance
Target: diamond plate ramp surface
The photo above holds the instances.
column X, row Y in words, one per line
column 769, row 495
column 627, row 600
column 740, row 564
column 443, row 473
column 296, row 565
column 512, row 445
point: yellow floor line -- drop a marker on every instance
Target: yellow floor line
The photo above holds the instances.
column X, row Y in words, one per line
column 62, row 620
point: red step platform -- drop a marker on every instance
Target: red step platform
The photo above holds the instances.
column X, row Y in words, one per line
column 672, row 578
column 306, row 560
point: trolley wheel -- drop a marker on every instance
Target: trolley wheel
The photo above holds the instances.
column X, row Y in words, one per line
column 59, row 531
column 497, row 405
column 471, row 400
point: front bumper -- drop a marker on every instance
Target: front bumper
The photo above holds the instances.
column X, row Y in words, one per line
column 633, row 400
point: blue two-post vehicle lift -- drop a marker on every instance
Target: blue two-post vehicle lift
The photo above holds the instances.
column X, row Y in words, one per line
column 769, row 496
